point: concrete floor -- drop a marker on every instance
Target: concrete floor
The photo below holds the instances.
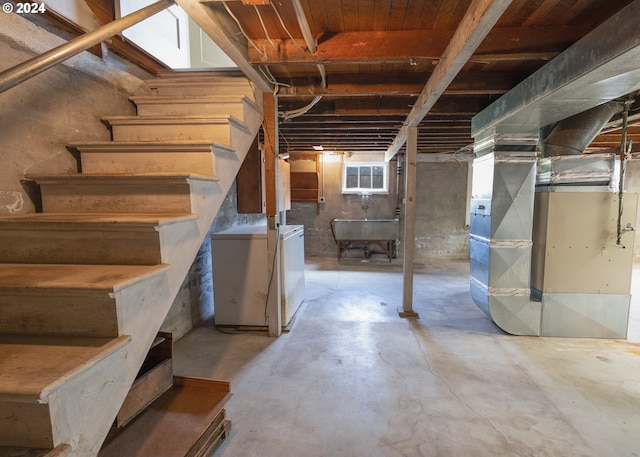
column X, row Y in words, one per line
column 352, row 379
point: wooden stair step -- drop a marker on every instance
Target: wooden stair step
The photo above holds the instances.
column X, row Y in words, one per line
column 28, row 278
column 122, row 192
column 62, row 450
column 72, row 300
column 192, row 105
column 151, row 157
column 178, row 424
column 189, row 73
column 41, row 378
column 205, row 83
column 90, row 238
column 155, row 128
column 33, row 366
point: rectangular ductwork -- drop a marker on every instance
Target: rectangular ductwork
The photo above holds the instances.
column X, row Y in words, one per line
column 544, row 259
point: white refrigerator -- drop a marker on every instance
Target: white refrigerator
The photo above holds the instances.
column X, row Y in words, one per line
column 240, row 280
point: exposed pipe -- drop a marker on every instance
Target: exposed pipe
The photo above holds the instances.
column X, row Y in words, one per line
column 308, row 36
column 572, row 135
column 304, row 26
column 37, row 65
column 624, row 155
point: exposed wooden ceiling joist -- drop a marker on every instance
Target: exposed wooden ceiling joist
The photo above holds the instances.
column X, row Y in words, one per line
column 417, row 45
column 474, row 27
column 452, row 106
column 466, row 83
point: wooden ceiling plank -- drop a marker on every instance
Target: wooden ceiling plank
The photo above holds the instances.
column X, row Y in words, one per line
column 396, row 15
column 540, row 14
column 381, row 12
column 334, row 16
column 430, row 13
column 443, row 19
column 595, row 13
column 474, row 27
column 350, row 15
column 413, row 15
column 316, row 11
column 366, row 13
column 223, row 30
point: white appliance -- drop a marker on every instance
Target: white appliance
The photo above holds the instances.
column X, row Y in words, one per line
column 292, row 267
column 240, row 280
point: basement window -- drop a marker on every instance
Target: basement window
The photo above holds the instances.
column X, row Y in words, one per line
column 370, row 177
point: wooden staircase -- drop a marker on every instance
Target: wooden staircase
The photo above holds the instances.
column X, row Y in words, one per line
column 86, row 284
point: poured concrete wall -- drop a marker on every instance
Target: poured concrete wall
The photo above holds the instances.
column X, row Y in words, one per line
column 317, row 229
column 63, row 105
column 440, row 209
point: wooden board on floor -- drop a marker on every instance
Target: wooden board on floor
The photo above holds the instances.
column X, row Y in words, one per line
column 61, row 450
column 186, row 421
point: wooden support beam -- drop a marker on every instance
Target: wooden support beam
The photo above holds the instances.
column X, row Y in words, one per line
column 270, row 128
column 222, row 29
column 393, row 105
column 466, row 83
column 473, row 28
column 402, row 46
column 409, row 241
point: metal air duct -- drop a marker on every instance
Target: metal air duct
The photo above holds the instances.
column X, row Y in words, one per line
column 572, row 135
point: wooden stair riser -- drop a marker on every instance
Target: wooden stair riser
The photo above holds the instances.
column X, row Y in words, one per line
column 180, row 87
column 189, row 106
column 68, row 245
column 200, row 162
column 100, row 196
column 141, row 130
column 72, row 312
column 25, row 424
column 52, row 314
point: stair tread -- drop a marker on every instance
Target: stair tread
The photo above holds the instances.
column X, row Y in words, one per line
column 33, row 366
column 172, row 118
column 168, row 145
column 118, row 176
column 218, row 72
column 69, row 276
column 97, row 218
column 222, row 98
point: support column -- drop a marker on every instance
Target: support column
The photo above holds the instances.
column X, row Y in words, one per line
column 270, row 127
column 409, row 222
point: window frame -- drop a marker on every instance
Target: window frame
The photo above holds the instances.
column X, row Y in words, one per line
column 366, row 190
